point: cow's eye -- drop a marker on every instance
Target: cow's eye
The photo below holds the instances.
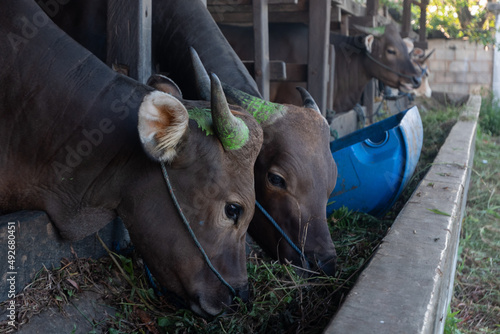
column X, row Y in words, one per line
column 391, row 51
column 276, row 180
column 233, row 211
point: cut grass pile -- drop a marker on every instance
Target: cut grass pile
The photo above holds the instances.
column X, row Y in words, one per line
column 281, row 300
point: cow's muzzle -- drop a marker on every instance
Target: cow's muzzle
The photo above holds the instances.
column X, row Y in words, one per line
column 328, row 266
column 243, row 293
column 325, row 264
column 416, row 81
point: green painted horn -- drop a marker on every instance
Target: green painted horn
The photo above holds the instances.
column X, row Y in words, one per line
column 232, row 132
column 264, row 112
column 375, row 31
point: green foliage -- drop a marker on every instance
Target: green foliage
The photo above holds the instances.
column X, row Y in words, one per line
column 450, row 326
column 461, row 18
column 453, row 19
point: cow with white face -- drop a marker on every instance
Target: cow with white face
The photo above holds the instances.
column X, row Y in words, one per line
column 419, row 59
column 86, row 145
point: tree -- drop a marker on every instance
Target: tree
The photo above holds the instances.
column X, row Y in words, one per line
column 453, row 19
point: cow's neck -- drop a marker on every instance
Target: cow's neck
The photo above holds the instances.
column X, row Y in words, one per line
column 61, row 161
column 351, row 76
column 193, row 26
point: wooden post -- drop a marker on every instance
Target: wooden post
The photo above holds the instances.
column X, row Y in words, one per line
column 371, row 7
column 423, row 18
column 369, row 96
column 406, row 24
column 129, row 37
column 261, row 38
column 319, row 39
column 331, row 79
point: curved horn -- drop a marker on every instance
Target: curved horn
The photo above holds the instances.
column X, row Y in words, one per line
column 375, row 31
column 232, row 132
column 264, row 112
column 202, row 79
column 307, row 99
column 427, row 56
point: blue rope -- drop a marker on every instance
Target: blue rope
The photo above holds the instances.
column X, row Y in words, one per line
column 193, row 236
column 280, row 230
column 151, row 281
column 387, row 67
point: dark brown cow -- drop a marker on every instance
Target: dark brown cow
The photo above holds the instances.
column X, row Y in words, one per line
column 295, row 172
column 86, row 145
column 380, row 53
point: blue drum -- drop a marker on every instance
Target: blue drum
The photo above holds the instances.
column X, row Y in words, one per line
column 376, row 163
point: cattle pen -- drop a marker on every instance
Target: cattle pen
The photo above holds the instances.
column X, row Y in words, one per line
column 408, row 284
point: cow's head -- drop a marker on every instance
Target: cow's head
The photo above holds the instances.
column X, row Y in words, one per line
column 419, row 60
column 294, row 176
column 387, row 57
column 209, row 151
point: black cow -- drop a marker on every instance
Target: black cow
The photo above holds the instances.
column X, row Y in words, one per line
column 295, row 172
column 86, row 144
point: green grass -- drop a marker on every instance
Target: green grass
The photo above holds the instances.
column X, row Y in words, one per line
column 490, row 116
column 476, row 300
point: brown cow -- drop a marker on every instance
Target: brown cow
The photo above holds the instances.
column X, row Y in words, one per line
column 295, row 172
column 86, row 144
column 380, row 53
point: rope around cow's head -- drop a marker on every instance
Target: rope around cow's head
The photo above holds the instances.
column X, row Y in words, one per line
column 384, row 66
column 191, row 232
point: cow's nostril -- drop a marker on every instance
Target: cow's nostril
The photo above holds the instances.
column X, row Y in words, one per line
column 243, row 294
column 416, row 81
column 328, row 266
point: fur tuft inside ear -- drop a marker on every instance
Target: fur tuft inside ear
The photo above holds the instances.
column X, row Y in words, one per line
column 369, row 42
column 163, row 121
column 409, row 44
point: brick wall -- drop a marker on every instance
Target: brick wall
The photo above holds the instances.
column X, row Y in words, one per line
column 458, row 66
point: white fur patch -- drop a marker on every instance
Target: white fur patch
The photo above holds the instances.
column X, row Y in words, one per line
column 409, row 44
column 163, row 120
column 369, row 42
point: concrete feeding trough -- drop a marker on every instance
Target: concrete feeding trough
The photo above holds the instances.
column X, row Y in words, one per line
column 36, row 243
column 407, row 286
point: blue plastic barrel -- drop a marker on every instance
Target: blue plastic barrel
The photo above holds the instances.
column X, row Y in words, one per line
column 376, row 163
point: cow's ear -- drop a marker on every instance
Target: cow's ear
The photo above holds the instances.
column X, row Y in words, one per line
column 418, row 53
column 409, row 44
column 163, row 121
column 369, row 42
column 164, row 84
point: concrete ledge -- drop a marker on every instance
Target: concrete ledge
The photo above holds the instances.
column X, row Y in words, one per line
column 345, row 123
column 408, row 285
column 38, row 244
